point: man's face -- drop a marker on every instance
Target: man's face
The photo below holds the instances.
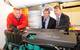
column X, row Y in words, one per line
column 57, row 11
column 46, row 13
column 17, row 13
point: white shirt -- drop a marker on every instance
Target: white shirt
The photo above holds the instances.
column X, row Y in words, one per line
column 46, row 22
column 58, row 19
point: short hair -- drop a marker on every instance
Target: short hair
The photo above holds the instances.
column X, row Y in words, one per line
column 57, row 6
column 47, row 9
column 17, row 8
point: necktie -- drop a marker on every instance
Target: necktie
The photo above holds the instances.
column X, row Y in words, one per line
column 43, row 23
column 57, row 22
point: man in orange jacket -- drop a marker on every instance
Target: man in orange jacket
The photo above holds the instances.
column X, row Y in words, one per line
column 17, row 19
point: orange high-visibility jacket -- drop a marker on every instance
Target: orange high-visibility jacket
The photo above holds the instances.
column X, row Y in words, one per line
column 22, row 23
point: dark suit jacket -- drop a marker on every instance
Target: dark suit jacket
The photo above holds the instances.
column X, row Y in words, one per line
column 51, row 23
column 64, row 22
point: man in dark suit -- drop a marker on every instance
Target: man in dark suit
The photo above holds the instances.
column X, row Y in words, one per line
column 47, row 21
column 62, row 20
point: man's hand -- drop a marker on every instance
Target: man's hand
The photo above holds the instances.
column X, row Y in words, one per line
column 9, row 29
column 17, row 27
column 28, row 28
